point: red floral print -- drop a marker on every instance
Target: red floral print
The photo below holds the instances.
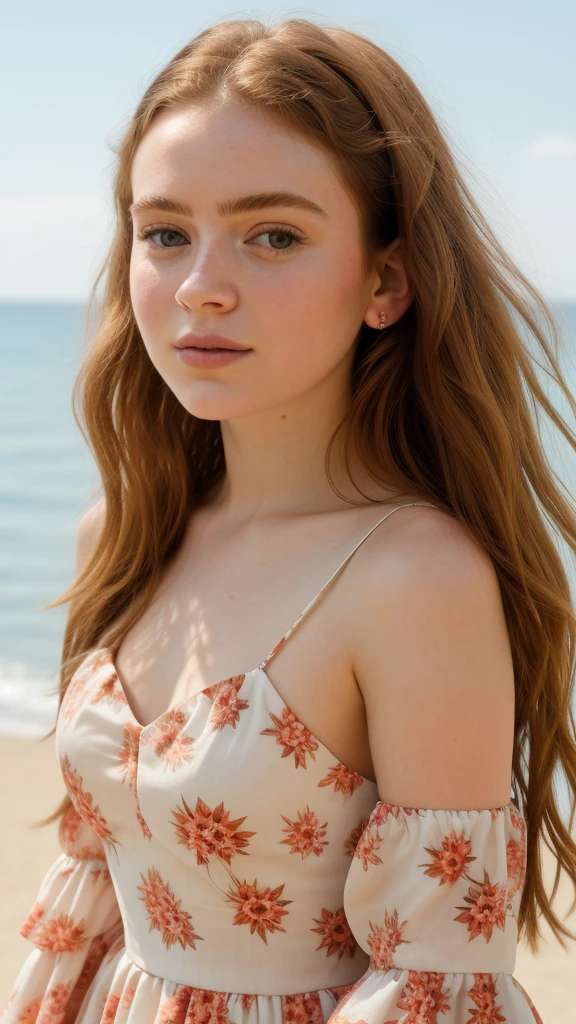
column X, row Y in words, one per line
column 30, row 1014
column 351, row 842
column 109, row 690
column 384, row 940
column 73, row 696
column 423, row 997
column 71, row 700
column 51, row 1009
column 128, row 755
column 336, row 933
column 382, row 812
column 143, row 825
column 342, row 779
column 61, row 934
column 127, row 997
column 262, row 910
column 110, row 1009
column 34, row 915
column 516, row 865
column 69, row 832
column 173, row 1010
column 207, row 1007
column 451, row 861
column 83, row 679
column 483, row 994
column 164, row 910
column 369, row 841
column 342, row 1018
column 210, row 832
column 94, row 873
column 486, row 910
column 302, row 1008
column 306, row 835
column 181, row 752
column 83, row 802
column 170, row 745
column 226, row 703
column 293, row 736
column 516, row 820
column 70, row 828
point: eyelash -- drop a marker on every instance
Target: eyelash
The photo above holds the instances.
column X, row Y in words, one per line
column 281, row 229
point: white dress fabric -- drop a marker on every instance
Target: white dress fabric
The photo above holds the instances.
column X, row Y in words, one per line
column 221, row 866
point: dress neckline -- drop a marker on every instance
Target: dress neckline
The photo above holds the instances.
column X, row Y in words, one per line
column 238, row 681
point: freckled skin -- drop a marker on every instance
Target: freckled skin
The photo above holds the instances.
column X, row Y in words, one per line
column 298, row 304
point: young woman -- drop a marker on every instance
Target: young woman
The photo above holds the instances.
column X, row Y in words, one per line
column 307, row 389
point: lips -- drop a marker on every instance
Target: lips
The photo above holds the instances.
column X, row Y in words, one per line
column 210, row 341
column 210, row 351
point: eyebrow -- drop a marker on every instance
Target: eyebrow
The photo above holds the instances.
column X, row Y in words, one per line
column 242, row 204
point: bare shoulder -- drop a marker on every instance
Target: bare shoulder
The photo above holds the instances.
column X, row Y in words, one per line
column 420, row 544
column 88, row 532
column 432, row 658
column 422, row 557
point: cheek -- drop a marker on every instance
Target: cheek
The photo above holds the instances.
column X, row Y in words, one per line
column 152, row 304
column 315, row 316
column 151, row 298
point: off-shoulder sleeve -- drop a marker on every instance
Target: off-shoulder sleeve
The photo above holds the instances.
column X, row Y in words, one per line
column 433, row 897
column 75, row 926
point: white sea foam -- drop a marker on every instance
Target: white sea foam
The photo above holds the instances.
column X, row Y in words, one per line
column 27, row 709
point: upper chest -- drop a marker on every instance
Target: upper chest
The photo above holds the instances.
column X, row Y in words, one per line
column 223, row 605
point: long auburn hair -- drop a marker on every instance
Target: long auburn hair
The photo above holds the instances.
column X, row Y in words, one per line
column 442, row 400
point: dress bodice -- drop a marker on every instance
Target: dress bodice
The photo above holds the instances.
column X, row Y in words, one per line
column 227, row 824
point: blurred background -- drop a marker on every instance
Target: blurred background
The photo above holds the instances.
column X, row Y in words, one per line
column 501, row 80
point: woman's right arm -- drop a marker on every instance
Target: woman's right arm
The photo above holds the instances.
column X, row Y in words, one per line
column 75, row 923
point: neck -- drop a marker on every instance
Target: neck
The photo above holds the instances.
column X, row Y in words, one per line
column 275, row 460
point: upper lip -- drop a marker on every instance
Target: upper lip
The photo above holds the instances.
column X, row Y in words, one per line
column 207, row 341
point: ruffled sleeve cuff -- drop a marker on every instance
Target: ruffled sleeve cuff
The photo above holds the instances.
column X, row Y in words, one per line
column 433, row 897
column 75, row 926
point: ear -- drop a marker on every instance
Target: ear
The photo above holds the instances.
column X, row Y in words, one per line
column 393, row 290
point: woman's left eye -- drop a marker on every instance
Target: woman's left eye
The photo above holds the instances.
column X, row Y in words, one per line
column 280, row 233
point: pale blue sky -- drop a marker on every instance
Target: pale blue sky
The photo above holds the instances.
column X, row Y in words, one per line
column 500, row 77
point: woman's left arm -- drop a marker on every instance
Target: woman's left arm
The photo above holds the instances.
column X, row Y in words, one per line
column 434, row 887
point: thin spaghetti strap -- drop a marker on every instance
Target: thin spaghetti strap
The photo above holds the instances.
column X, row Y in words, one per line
column 333, row 576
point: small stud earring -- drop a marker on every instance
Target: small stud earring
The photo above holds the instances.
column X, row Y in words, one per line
column 383, row 320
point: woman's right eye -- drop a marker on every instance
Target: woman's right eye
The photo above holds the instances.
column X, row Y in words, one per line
column 169, row 237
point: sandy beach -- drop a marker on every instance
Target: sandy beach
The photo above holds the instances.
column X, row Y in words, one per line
column 36, row 788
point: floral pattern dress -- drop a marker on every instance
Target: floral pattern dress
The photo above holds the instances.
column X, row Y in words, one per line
column 221, row 866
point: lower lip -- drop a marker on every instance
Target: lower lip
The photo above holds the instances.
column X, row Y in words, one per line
column 207, row 357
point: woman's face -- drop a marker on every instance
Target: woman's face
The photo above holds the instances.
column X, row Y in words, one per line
column 281, row 272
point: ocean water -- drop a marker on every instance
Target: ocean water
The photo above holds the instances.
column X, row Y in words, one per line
column 48, row 480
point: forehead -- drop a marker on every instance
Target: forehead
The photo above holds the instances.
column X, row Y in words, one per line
column 220, row 147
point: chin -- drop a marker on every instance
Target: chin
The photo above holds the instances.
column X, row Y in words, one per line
column 212, row 400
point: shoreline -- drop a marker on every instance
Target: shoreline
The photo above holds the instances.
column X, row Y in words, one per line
column 26, row 854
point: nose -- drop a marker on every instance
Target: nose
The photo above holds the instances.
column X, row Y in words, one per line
column 205, row 287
